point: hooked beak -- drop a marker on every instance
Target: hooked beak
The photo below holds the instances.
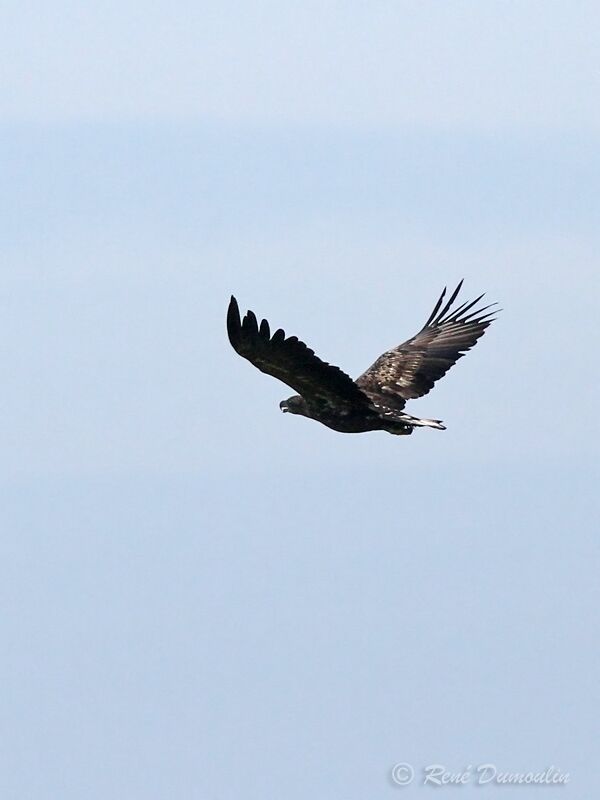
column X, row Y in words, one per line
column 283, row 406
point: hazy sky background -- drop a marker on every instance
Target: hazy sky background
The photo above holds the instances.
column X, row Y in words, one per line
column 202, row 597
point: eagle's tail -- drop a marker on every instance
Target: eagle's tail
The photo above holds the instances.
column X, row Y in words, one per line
column 395, row 415
column 417, row 422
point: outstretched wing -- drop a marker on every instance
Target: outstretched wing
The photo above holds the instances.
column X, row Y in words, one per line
column 411, row 369
column 291, row 361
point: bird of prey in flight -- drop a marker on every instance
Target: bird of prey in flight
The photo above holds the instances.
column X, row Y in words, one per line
column 374, row 401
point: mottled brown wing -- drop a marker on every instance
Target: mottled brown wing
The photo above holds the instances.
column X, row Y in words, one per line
column 411, row 369
column 291, row 361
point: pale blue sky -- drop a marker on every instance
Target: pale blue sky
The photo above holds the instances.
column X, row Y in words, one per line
column 203, row 597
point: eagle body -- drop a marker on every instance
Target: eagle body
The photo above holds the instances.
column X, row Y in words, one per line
column 344, row 420
column 376, row 399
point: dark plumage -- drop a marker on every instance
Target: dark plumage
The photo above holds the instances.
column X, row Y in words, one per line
column 376, row 400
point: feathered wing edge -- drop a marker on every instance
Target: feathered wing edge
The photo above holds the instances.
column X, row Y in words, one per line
column 455, row 316
column 289, row 360
column 411, row 369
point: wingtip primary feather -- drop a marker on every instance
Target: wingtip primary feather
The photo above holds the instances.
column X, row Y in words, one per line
column 436, row 307
column 250, row 323
column 448, row 305
column 234, row 325
column 264, row 329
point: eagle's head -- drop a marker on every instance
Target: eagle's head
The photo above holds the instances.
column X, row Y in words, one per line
column 295, row 405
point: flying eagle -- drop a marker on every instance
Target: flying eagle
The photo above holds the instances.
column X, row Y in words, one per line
column 374, row 401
